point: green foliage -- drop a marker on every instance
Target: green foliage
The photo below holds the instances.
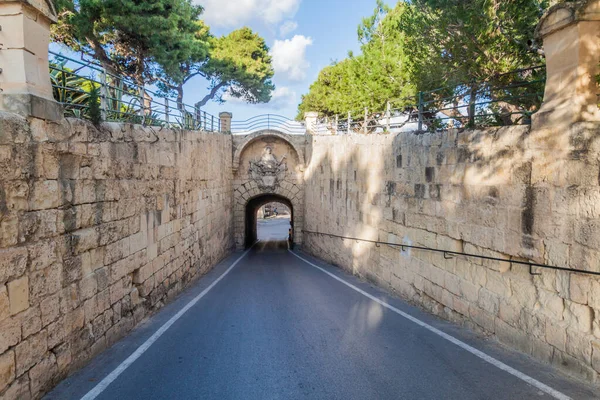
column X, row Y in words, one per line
column 93, row 102
column 165, row 42
column 241, row 62
column 71, row 90
column 370, row 79
column 132, row 37
column 455, row 51
column 238, row 63
column 455, row 41
column 469, row 48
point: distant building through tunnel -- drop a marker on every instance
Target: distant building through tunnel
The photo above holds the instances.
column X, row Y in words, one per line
column 273, row 209
column 252, row 209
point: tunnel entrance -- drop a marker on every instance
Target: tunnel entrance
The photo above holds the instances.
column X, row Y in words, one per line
column 252, row 208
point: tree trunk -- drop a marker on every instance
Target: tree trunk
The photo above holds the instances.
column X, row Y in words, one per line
column 213, row 93
column 179, row 90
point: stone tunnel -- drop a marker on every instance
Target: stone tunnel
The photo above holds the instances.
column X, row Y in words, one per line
column 267, row 166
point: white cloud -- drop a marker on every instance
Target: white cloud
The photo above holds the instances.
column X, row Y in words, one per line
column 289, row 57
column 282, row 97
column 287, row 27
column 235, row 13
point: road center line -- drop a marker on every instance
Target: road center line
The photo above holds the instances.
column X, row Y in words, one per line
column 110, row 378
column 499, row 364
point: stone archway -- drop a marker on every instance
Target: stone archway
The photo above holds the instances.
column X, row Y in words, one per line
column 252, row 207
column 267, row 163
column 249, row 139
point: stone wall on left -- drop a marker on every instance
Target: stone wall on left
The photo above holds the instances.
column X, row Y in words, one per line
column 98, row 228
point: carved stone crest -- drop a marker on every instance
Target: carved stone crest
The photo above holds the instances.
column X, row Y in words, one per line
column 267, row 171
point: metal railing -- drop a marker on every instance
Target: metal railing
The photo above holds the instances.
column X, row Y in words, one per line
column 118, row 98
column 505, row 99
column 268, row 122
column 450, row 254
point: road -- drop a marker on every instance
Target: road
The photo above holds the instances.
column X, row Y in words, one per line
column 279, row 327
column 273, row 229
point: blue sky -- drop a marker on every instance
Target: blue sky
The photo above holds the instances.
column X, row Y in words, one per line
column 304, row 36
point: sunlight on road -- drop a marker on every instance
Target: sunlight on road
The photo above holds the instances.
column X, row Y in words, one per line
column 276, row 228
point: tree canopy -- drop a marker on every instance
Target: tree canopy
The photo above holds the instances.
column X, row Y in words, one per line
column 166, row 42
column 238, row 64
column 369, row 79
column 455, row 41
column 422, row 45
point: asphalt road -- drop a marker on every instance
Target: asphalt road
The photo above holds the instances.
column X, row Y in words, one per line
column 276, row 327
column 273, row 229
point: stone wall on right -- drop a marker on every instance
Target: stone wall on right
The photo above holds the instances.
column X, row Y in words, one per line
column 505, row 192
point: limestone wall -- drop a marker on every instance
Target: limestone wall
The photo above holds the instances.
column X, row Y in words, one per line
column 98, row 228
column 503, row 192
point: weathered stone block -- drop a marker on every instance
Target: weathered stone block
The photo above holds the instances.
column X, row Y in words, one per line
column 556, row 335
column 45, row 282
column 84, row 240
column 88, row 287
column 30, row 352
column 45, row 195
column 7, row 369
column 18, row 295
column 4, row 303
column 10, row 333
column 50, row 309
column 579, row 345
column 579, row 315
column 42, row 254
column 42, row 375
column 596, row 355
column 63, row 356
column 13, row 262
column 31, row 321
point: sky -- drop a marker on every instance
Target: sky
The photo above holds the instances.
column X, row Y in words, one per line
column 304, row 36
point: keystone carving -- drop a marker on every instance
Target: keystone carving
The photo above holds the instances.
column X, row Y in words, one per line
column 267, row 172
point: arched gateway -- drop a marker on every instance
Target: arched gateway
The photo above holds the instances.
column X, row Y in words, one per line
column 267, row 166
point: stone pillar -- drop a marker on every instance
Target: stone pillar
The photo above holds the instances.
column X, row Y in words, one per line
column 570, row 34
column 310, row 121
column 25, row 79
column 225, row 118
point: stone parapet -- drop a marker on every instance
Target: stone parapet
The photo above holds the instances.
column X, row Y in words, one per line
column 569, row 32
column 25, row 78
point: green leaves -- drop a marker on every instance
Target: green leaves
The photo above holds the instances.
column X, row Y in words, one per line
column 133, row 38
column 425, row 45
column 164, row 42
column 241, row 64
column 456, row 41
column 379, row 74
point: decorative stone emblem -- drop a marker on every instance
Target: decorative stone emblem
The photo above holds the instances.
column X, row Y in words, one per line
column 268, row 171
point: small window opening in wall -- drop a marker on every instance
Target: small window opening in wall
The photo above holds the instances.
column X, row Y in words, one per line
column 399, row 161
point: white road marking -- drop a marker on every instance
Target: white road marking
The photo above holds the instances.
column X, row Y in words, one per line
column 110, row 378
column 499, row 364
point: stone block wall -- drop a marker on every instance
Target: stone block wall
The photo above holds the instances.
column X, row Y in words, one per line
column 98, row 228
column 504, row 192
